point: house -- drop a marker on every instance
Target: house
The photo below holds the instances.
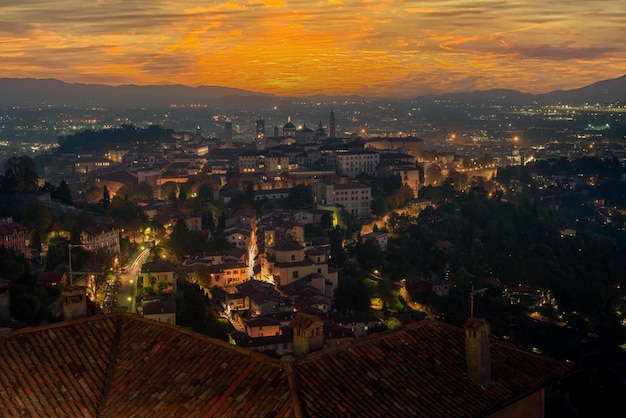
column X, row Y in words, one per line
column 237, row 236
column 116, row 180
column 360, row 323
column 308, row 294
column 281, row 344
column 224, row 275
column 13, row 236
column 243, row 218
column 418, row 284
column 160, row 310
column 263, row 327
column 377, row 236
column 136, row 367
column 354, row 197
column 101, row 235
column 285, row 261
column 52, row 278
column 159, row 273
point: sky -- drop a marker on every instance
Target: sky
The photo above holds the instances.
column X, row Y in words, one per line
column 370, row 48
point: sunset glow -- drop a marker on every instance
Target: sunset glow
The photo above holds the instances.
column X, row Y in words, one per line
column 393, row 49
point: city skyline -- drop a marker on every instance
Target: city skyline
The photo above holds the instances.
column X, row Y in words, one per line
column 394, row 49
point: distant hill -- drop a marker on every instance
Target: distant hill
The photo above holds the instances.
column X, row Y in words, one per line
column 36, row 92
column 600, row 92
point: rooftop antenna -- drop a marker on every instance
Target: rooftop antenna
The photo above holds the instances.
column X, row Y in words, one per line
column 472, row 293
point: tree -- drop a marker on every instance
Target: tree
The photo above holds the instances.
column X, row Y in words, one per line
column 36, row 216
column 62, row 193
column 35, row 239
column 101, row 263
column 369, row 254
column 352, row 294
column 20, row 175
column 13, row 266
column 300, row 197
column 337, row 253
column 205, row 192
column 178, row 243
column 201, row 275
column 143, row 191
column 106, row 197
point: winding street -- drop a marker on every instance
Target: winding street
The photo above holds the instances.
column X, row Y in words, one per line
column 128, row 288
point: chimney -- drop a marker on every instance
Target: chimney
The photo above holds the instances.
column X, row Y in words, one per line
column 477, row 354
column 308, row 334
column 74, row 302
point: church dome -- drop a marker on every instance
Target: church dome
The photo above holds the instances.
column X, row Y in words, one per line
column 289, row 126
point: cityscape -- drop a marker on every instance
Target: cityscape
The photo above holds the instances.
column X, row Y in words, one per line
column 320, row 226
column 280, row 208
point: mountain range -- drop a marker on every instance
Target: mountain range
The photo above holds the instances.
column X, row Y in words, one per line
column 28, row 92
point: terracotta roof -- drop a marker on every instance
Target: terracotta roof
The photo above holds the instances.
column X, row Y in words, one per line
column 123, row 176
column 10, row 227
column 159, row 307
column 285, row 245
column 50, row 276
column 418, row 370
column 121, row 364
column 158, row 266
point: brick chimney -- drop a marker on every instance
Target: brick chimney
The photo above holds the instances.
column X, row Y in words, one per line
column 308, row 334
column 477, row 353
column 74, row 302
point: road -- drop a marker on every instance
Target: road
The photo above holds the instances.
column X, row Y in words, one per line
column 128, row 288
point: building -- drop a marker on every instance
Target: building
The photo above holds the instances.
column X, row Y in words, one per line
column 153, row 178
column 260, row 135
column 228, row 134
column 140, row 367
column 13, row 236
column 116, row 180
column 289, row 129
column 410, row 145
column 355, row 162
column 159, row 274
column 332, row 125
column 377, row 236
column 305, row 135
column 320, row 133
column 88, row 164
column 101, row 235
column 52, row 278
column 160, row 310
column 356, row 198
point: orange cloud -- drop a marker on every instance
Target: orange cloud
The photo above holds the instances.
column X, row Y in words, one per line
column 394, row 48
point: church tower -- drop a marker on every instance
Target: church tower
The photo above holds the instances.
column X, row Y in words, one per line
column 260, row 135
column 331, row 125
column 228, row 134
